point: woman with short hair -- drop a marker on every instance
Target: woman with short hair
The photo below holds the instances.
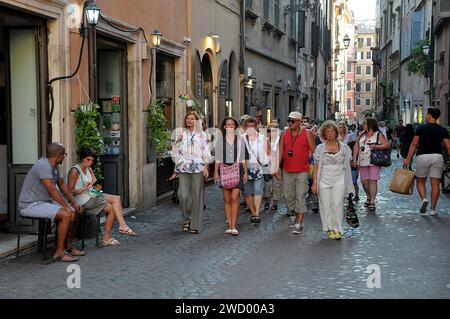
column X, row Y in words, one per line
column 332, row 179
column 258, row 164
column 81, row 181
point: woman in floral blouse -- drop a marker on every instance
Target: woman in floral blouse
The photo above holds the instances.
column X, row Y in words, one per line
column 191, row 154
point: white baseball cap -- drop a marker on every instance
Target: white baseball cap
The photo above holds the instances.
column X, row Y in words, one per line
column 295, row 116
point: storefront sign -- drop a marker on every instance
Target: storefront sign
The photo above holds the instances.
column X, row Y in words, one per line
column 198, row 77
column 223, row 84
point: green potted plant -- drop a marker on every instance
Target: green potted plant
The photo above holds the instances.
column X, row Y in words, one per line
column 158, row 129
column 87, row 133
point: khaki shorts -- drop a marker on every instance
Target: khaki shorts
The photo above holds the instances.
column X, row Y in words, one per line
column 295, row 188
column 430, row 165
column 95, row 205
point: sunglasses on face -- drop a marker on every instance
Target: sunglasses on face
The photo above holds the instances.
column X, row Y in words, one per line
column 292, row 121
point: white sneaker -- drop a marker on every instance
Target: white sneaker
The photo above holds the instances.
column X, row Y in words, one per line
column 433, row 212
column 228, row 231
column 423, row 208
column 298, row 228
column 234, row 232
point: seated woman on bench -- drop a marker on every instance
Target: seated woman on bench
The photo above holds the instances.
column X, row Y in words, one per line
column 81, row 183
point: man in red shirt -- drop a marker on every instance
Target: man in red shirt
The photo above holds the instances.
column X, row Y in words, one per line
column 295, row 145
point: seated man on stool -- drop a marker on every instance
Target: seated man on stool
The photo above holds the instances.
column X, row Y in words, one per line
column 41, row 198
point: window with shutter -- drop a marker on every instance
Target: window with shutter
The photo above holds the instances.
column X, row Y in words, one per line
column 358, row 70
column 277, row 13
column 292, row 21
column 416, row 29
column 301, row 29
column 249, row 4
column 349, row 85
column 368, row 86
column 368, row 70
column 358, row 86
column 266, row 10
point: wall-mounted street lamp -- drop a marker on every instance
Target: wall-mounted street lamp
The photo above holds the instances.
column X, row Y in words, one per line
column 342, row 74
column 426, row 52
column 346, row 41
column 251, row 83
column 156, row 38
column 216, row 41
column 92, row 13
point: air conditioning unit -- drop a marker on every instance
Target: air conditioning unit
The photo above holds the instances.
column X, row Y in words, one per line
column 443, row 8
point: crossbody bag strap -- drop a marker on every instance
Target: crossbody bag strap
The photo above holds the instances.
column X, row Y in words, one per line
column 78, row 168
column 249, row 146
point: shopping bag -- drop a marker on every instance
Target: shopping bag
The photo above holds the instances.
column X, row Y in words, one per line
column 350, row 215
column 402, row 182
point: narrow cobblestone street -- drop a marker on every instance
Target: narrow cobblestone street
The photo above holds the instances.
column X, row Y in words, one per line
column 265, row 261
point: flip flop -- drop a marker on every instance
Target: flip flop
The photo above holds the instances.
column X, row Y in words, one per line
column 128, row 231
column 65, row 257
column 76, row 252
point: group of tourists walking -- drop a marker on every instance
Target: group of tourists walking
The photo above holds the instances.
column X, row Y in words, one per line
column 298, row 161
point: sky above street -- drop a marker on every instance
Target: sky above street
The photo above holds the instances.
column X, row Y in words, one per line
column 363, row 9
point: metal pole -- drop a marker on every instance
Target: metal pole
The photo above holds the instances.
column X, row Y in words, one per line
column 92, row 57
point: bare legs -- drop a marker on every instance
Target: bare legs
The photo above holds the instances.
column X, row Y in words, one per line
column 231, row 198
column 64, row 220
column 435, row 191
column 254, row 203
column 371, row 189
column 116, row 204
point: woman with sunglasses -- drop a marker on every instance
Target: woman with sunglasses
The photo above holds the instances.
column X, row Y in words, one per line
column 370, row 139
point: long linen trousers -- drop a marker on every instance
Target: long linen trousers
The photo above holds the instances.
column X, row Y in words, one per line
column 331, row 197
column 190, row 194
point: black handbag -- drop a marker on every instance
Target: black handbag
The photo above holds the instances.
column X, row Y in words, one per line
column 380, row 157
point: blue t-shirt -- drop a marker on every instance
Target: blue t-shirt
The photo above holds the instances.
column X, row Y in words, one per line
column 33, row 190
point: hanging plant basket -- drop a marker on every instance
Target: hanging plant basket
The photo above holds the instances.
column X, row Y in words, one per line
column 87, row 133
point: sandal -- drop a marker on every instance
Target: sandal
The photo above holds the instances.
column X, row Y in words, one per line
column 266, row 206
column 255, row 219
column 371, row 207
column 274, row 207
column 186, row 227
column 111, row 242
column 128, row 231
column 65, row 257
column 367, row 203
column 76, row 252
column 194, row 231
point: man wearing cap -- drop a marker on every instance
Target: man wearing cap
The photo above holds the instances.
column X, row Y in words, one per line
column 295, row 145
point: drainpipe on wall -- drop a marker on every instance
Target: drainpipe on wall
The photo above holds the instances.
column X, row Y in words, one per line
column 400, row 63
column 242, row 49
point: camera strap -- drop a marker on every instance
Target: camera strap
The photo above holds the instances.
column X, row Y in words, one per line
column 293, row 142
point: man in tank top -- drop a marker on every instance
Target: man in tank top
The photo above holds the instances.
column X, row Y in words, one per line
column 295, row 145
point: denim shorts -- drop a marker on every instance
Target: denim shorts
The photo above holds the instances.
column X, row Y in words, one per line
column 254, row 187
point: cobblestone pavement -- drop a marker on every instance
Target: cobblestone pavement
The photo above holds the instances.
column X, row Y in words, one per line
column 264, row 261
